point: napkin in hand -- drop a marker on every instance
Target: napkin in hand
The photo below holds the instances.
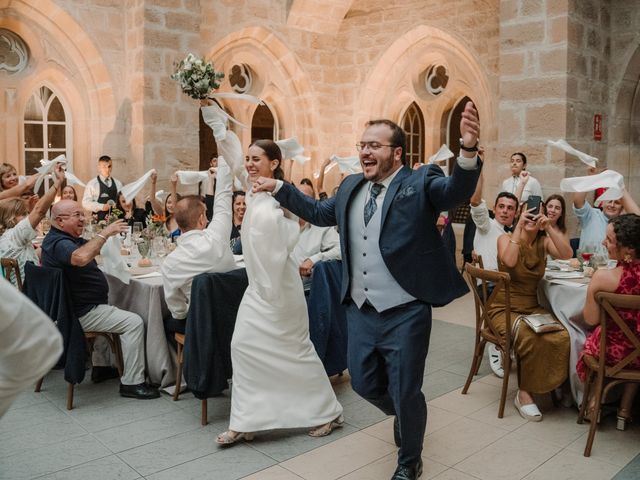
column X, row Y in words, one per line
column 112, row 261
column 609, row 179
column 187, row 177
column 346, row 164
column 292, row 149
column 441, row 155
column 46, row 168
column 130, row 190
column 563, row 145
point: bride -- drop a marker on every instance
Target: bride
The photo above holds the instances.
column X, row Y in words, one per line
column 278, row 379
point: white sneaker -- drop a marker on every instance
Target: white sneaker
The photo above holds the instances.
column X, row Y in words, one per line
column 495, row 361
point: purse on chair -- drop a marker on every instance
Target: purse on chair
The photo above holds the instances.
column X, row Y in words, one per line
column 538, row 322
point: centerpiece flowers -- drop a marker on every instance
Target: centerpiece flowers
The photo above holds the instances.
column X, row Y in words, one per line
column 196, row 77
column 155, row 226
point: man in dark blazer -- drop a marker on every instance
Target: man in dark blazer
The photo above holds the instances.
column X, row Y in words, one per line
column 394, row 268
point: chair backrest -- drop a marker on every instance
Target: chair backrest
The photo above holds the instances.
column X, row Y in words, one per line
column 10, row 266
column 502, row 282
column 608, row 303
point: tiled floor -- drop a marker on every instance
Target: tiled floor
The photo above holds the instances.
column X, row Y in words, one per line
column 108, row 437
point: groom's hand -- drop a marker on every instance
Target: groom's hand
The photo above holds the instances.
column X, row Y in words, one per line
column 264, row 184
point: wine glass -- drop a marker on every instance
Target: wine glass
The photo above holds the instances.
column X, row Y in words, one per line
column 143, row 248
column 158, row 247
column 136, row 231
column 587, row 252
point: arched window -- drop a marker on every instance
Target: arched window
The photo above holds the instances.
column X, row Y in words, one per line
column 263, row 124
column 413, row 125
column 46, row 129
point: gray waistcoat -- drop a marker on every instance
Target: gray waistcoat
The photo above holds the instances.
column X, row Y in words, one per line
column 370, row 277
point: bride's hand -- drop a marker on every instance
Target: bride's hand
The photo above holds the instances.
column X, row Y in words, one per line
column 264, row 184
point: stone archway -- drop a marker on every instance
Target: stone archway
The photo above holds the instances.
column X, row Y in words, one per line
column 281, row 83
column 79, row 75
column 398, row 76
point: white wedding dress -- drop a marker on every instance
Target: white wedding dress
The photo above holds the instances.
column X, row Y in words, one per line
column 278, row 379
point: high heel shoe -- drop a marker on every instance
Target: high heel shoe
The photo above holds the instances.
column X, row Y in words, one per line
column 624, row 418
column 324, row 430
column 226, row 439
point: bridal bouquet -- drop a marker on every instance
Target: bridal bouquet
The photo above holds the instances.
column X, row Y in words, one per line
column 196, row 76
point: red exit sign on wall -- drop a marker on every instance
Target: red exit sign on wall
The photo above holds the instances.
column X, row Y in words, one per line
column 597, row 127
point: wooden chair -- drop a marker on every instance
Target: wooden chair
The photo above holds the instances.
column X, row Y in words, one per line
column 606, row 377
column 179, row 337
column 484, row 330
column 113, row 339
column 10, row 266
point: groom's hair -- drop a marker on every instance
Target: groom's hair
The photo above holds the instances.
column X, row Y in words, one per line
column 398, row 137
column 187, row 212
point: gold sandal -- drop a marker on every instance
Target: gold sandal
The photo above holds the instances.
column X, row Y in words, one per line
column 227, row 438
column 326, row 429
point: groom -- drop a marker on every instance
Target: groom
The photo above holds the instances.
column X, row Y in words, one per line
column 394, row 268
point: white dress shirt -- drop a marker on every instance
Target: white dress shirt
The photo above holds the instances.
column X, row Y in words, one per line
column 200, row 251
column 317, row 244
column 30, row 344
column 531, row 188
column 16, row 243
column 92, row 193
column 485, row 241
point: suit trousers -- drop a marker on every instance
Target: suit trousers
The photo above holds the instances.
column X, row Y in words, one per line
column 107, row 318
column 386, row 357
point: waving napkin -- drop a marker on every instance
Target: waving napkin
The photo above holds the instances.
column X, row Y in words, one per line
column 229, row 145
column 609, row 179
column 346, row 164
column 46, row 168
column 187, row 177
column 563, row 145
column 130, row 190
column 292, row 149
column 73, row 180
column 217, row 118
column 441, row 155
column 112, row 261
column 161, row 195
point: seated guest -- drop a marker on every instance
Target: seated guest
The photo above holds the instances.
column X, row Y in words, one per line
column 555, row 209
column 101, row 193
column 543, row 359
column 169, row 205
column 315, row 244
column 623, row 244
column 593, row 221
column 9, row 182
column 199, row 249
column 485, row 242
column 64, row 248
column 519, row 174
column 69, row 193
column 239, row 207
column 130, row 213
column 18, row 225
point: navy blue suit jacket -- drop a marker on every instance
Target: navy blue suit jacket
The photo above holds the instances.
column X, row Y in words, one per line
column 410, row 243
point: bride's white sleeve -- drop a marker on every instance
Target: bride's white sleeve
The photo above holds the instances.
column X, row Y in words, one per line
column 276, row 236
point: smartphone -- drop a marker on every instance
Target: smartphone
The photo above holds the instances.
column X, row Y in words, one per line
column 534, row 202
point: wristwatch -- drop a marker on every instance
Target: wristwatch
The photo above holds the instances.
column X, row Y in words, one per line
column 468, row 149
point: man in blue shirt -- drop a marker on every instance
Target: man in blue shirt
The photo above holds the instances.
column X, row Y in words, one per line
column 64, row 248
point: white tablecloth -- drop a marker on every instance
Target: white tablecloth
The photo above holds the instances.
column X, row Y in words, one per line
column 566, row 301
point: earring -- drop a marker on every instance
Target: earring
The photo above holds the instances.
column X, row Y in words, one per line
column 627, row 258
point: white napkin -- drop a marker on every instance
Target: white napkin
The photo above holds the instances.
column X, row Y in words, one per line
column 46, row 168
column 608, row 179
column 441, row 155
column 346, row 164
column 161, row 195
column 292, row 149
column 563, row 145
column 217, row 118
column 568, row 283
column 132, row 189
column 147, row 275
column 73, row 180
column 187, row 177
column 112, row 261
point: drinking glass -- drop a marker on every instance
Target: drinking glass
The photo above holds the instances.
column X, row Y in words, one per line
column 136, row 231
column 158, row 247
column 143, row 248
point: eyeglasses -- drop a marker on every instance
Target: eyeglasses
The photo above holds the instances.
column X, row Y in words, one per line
column 75, row 215
column 372, row 146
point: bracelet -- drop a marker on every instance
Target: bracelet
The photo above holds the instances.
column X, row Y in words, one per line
column 514, row 242
column 101, row 236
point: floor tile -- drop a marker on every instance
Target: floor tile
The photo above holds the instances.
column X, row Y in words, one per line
column 478, row 396
column 339, row 458
column 273, row 473
column 362, row 414
column 383, row 468
column 241, row 463
column 134, row 434
column 568, row 465
column 489, row 415
column 631, row 471
column 512, row 456
column 52, row 458
column 166, row 453
column 19, row 418
column 453, row 474
column 558, row 427
column 107, row 468
column 459, row 440
column 27, row 399
column 438, row 383
column 610, row 445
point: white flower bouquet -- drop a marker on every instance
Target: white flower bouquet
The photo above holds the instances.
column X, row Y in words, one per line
column 196, row 76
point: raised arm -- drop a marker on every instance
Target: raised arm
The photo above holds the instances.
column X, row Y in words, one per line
column 524, row 179
column 557, row 243
column 155, row 204
column 19, row 190
column 580, row 198
column 90, row 250
column 221, row 222
column 320, row 183
column 40, row 210
column 628, row 203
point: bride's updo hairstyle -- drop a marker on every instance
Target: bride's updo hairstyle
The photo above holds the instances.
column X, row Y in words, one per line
column 273, row 152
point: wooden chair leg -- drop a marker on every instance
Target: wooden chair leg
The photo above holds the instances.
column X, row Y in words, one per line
column 203, row 412
column 596, row 413
column 39, row 385
column 505, row 384
column 69, row 396
column 176, row 393
column 585, row 397
column 475, row 364
column 118, row 354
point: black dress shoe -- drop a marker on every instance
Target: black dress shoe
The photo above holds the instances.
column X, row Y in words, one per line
column 404, row 472
column 396, row 432
column 100, row 374
column 142, row 391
